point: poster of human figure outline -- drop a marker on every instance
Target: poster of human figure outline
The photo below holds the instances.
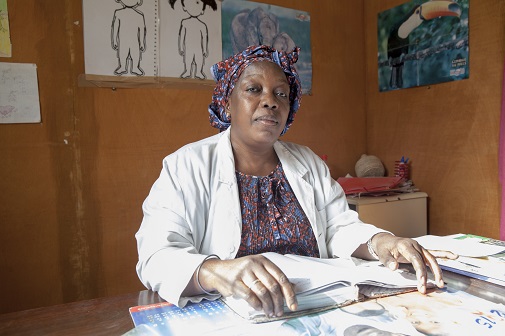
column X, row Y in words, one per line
column 140, row 38
column 423, row 42
column 246, row 23
column 190, row 33
column 128, row 37
column 120, row 37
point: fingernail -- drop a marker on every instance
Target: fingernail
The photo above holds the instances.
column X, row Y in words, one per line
column 292, row 307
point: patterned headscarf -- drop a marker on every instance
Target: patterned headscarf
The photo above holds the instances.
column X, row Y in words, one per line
column 227, row 72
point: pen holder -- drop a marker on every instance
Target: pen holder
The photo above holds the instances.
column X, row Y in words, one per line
column 402, row 170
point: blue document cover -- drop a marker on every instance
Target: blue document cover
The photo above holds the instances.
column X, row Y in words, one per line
column 194, row 319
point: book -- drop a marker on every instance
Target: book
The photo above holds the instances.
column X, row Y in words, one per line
column 323, row 284
column 479, row 257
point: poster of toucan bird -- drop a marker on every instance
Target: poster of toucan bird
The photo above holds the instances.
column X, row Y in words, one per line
column 423, row 43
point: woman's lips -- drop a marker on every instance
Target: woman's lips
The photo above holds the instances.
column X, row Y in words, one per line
column 267, row 120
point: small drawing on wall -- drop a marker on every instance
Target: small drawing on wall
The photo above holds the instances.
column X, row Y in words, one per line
column 19, row 93
column 423, row 42
column 128, row 35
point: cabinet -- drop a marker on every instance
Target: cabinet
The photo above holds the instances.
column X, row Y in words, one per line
column 405, row 215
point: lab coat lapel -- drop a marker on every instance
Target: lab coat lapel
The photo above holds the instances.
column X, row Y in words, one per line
column 297, row 173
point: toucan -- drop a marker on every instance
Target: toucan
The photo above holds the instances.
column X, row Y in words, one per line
column 398, row 41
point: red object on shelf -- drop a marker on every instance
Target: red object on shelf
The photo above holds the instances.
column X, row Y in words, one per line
column 402, row 169
column 356, row 185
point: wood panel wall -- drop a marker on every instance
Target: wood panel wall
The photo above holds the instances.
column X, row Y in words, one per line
column 72, row 186
column 450, row 131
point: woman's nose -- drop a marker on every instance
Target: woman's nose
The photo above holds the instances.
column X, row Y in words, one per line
column 269, row 101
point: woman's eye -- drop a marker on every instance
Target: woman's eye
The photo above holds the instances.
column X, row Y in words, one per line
column 252, row 89
column 282, row 94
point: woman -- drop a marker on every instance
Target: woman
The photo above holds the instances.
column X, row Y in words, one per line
column 222, row 201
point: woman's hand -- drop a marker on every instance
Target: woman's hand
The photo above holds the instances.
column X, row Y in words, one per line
column 393, row 250
column 252, row 278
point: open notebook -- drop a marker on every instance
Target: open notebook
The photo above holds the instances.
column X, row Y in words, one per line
column 323, row 284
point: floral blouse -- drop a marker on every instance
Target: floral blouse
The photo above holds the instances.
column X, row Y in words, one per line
column 272, row 218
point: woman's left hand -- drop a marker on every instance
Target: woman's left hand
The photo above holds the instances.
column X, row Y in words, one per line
column 393, row 250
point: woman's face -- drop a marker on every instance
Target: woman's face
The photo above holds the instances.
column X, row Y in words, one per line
column 259, row 105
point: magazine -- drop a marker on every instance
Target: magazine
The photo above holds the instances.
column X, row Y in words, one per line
column 439, row 312
column 200, row 318
column 446, row 312
column 216, row 319
column 322, row 284
column 479, row 257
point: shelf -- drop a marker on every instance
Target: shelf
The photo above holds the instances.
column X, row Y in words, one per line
column 115, row 82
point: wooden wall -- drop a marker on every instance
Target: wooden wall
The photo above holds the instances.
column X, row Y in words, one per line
column 450, row 131
column 72, row 186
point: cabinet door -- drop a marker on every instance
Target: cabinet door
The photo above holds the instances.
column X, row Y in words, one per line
column 404, row 218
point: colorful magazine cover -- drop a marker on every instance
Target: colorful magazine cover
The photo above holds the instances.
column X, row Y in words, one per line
column 440, row 312
column 447, row 312
column 194, row 319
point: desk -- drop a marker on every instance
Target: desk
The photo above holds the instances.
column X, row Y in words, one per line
column 103, row 316
column 110, row 316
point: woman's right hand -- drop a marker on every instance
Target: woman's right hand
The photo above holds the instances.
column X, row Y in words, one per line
column 252, row 278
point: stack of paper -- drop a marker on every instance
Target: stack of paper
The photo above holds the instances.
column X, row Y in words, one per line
column 479, row 257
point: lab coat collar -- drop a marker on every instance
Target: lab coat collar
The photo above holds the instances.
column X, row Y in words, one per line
column 226, row 160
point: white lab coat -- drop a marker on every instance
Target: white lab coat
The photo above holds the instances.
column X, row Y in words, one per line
column 193, row 210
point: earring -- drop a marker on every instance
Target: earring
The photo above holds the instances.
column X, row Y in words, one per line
column 228, row 113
